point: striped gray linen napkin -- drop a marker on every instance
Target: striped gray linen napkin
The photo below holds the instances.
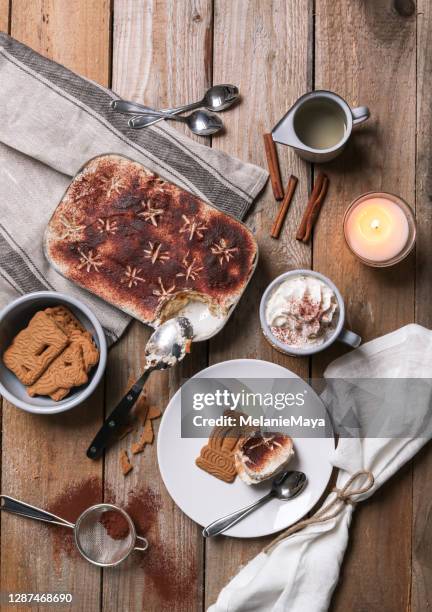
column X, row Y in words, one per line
column 52, row 122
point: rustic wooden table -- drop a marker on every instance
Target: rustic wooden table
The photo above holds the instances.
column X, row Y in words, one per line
column 169, row 52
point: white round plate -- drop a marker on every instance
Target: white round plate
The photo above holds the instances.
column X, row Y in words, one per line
column 204, row 498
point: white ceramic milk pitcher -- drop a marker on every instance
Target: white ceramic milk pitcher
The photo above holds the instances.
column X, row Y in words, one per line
column 319, row 125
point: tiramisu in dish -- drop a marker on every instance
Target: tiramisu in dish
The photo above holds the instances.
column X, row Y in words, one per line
column 262, row 455
column 149, row 247
column 302, row 311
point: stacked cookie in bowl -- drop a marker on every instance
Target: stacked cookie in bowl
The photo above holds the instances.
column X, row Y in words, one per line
column 53, row 352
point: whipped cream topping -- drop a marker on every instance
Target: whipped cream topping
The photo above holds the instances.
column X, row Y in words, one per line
column 302, row 311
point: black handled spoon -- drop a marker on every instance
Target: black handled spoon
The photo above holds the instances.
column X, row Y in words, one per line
column 168, row 345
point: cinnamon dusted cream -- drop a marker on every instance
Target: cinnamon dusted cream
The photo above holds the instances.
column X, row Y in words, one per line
column 302, row 311
column 146, row 245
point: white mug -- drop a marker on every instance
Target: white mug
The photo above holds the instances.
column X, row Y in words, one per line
column 285, row 131
column 339, row 333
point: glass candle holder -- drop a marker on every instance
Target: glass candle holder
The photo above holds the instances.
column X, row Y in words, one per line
column 379, row 228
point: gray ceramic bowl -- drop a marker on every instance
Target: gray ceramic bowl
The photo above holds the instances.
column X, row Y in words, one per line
column 14, row 318
column 341, row 334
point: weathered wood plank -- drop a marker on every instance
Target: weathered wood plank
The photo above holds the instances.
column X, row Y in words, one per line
column 41, row 456
column 421, row 590
column 263, row 48
column 4, row 27
column 366, row 52
column 4, row 15
column 162, row 51
column 161, row 57
column 75, row 33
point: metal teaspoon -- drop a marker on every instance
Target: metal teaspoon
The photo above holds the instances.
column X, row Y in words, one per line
column 285, row 486
column 166, row 347
column 200, row 122
column 217, row 98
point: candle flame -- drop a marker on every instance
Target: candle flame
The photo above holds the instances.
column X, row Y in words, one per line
column 375, row 224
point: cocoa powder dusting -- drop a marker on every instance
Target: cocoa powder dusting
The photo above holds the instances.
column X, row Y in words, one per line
column 143, row 235
column 162, row 563
column 69, row 505
column 143, row 506
column 307, row 323
column 308, row 309
column 168, row 571
column 115, row 524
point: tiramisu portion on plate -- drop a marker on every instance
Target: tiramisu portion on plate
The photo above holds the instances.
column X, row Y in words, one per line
column 262, row 455
column 149, row 247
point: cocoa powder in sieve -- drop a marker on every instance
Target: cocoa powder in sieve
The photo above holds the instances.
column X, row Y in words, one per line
column 115, row 524
column 69, row 505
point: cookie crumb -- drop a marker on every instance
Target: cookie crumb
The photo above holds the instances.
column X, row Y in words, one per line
column 154, row 412
column 146, row 437
column 125, row 464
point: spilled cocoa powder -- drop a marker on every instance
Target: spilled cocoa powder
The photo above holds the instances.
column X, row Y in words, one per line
column 171, row 574
column 162, row 564
column 143, row 506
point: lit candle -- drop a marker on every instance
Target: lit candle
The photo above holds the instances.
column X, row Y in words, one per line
column 379, row 228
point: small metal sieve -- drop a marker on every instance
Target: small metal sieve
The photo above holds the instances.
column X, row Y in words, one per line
column 92, row 536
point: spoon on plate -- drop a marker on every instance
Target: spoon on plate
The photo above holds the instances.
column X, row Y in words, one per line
column 200, row 122
column 167, row 345
column 285, row 486
column 217, row 98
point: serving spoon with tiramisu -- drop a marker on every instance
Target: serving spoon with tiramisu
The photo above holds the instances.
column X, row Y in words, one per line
column 168, row 345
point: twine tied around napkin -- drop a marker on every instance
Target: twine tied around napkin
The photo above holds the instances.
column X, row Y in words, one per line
column 332, row 509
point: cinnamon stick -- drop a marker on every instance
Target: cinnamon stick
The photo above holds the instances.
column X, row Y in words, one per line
column 313, row 207
column 273, row 166
column 277, row 225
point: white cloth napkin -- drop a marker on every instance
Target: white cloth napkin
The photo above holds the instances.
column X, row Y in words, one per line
column 301, row 572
